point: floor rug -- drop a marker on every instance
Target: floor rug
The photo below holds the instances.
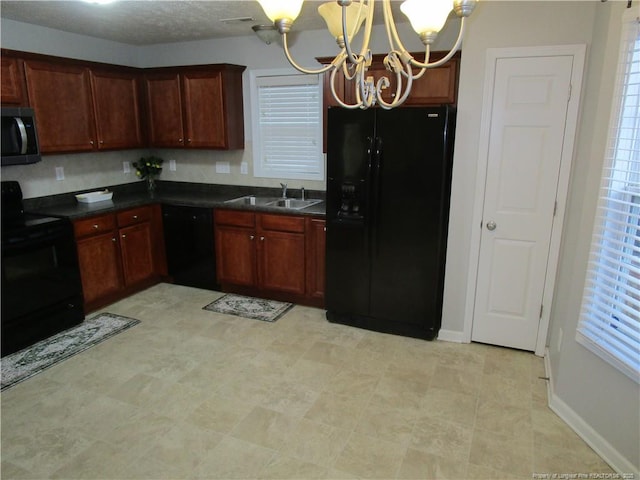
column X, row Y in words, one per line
column 32, row 360
column 249, row 307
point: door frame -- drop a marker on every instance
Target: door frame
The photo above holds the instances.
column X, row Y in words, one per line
column 578, row 52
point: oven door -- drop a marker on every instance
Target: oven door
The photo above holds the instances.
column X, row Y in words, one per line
column 41, row 289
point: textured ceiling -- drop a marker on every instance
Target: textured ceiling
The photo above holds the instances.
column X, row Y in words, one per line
column 147, row 22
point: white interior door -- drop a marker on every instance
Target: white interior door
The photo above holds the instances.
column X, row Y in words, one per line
column 526, row 138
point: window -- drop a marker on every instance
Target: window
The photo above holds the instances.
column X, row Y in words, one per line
column 287, row 125
column 610, row 318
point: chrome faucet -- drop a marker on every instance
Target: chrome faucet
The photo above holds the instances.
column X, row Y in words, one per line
column 284, row 190
column 302, row 193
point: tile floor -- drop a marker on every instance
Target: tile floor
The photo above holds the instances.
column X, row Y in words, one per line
column 189, row 393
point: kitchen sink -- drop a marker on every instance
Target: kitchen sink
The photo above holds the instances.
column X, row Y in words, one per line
column 293, row 203
column 290, row 203
column 251, row 200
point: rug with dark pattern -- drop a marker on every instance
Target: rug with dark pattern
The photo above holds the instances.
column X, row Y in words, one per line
column 249, row 307
column 32, row 360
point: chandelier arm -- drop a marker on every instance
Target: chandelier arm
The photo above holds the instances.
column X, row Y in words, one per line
column 398, row 100
column 368, row 25
column 448, row 56
column 345, row 69
column 427, row 54
column 335, row 94
column 324, row 69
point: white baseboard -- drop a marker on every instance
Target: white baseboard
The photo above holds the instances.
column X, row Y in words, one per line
column 600, row 445
column 451, row 336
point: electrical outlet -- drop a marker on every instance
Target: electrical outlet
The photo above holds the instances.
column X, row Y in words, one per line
column 126, row 167
column 172, row 165
column 59, row 173
column 244, row 168
column 223, row 167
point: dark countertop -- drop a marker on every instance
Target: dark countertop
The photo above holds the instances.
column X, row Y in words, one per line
column 171, row 193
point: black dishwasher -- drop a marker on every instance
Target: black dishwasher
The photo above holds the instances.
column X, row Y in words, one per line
column 188, row 234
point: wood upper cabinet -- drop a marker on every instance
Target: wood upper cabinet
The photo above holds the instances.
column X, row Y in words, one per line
column 13, row 90
column 164, row 106
column 116, row 106
column 60, row 95
column 196, row 107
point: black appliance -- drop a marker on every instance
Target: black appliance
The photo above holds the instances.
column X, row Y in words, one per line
column 189, row 243
column 388, row 189
column 41, row 287
column 19, row 136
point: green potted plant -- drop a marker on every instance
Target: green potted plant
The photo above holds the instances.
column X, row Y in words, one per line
column 148, row 168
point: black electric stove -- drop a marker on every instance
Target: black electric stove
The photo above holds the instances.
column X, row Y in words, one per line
column 41, row 287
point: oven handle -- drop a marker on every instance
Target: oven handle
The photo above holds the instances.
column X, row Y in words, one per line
column 41, row 238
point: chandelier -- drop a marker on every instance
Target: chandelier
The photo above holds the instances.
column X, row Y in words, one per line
column 344, row 19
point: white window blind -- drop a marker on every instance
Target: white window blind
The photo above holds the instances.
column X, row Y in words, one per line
column 288, row 127
column 610, row 319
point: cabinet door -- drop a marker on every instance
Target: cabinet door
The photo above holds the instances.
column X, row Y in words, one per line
column 115, row 100
column 204, row 110
column 99, row 260
column 12, row 81
column 282, row 261
column 164, row 105
column 235, row 255
column 316, row 246
column 61, row 98
column 137, row 253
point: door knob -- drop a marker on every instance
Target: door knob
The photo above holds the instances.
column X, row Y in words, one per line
column 491, row 225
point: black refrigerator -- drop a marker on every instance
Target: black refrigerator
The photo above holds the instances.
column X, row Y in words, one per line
column 388, row 190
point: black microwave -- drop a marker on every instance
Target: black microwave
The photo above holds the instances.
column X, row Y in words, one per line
column 19, row 136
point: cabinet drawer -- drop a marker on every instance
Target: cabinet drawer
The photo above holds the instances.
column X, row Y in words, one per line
column 235, row 218
column 94, row 225
column 133, row 216
column 282, row 223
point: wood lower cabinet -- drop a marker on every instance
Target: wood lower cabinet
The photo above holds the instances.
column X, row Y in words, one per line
column 119, row 253
column 316, row 247
column 99, row 259
column 265, row 255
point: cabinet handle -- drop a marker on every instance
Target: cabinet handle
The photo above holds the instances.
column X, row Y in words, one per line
column 113, row 239
column 180, row 140
column 251, row 237
column 135, row 217
column 95, row 226
column 262, row 239
column 101, row 142
column 91, row 142
column 124, row 235
column 188, row 140
column 324, row 229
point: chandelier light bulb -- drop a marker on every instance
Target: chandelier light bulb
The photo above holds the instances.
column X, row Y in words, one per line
column 427, row 17
column 332, row 14
column 281, row 9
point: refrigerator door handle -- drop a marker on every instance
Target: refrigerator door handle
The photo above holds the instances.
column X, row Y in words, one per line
column 375, row 193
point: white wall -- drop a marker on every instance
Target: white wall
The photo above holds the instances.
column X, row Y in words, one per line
column 591, row 395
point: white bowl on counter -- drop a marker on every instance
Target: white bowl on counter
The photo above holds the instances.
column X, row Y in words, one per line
column 92, row 197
